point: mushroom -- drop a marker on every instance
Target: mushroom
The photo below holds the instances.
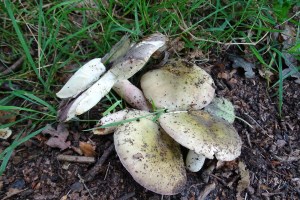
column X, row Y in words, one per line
column 203, row 133
column 178, row 85
column 123, row 68
column 151, row 156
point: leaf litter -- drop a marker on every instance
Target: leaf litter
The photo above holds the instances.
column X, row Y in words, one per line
column 58, row 137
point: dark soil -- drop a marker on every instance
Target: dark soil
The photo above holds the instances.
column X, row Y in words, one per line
column 270, row 152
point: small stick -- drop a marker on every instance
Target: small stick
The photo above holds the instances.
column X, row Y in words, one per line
column 82, row 181
column 95, row 170
column 13, row 66
column 206, row 191
column 79, row 159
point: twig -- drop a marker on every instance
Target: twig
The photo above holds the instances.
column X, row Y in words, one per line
column 126, row 196
column 82, row 181
column 106, row 171
column 219, row 179
column 13, row 66
column 266, row 194
column 206, row 191
column 95, row 170
column 78, row 159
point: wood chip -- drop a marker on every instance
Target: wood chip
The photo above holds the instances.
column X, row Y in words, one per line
column 78, row 159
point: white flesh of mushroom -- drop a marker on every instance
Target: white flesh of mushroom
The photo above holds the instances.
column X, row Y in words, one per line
column 82, row 79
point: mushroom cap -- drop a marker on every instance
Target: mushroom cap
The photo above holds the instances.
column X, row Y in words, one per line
column 150, row 155
column 222, row 108
column 199, row 131
column 137, row 56
column 178, row 85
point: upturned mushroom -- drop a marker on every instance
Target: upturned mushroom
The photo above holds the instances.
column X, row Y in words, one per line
column 123, row 68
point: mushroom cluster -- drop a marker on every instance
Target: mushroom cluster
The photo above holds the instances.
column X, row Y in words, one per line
column 146, row 142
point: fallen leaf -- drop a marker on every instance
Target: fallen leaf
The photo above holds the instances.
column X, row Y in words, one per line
column 7, row 117
column 244, row 182
column 176, row 45
column 196, row 53
column 87, row 149
column 58, row 137
column 223, row 75
column 240, row 62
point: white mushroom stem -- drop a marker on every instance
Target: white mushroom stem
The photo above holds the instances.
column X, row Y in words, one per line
column 131, row 94
column 82, row 79
column 194, row 162
column 108, row 119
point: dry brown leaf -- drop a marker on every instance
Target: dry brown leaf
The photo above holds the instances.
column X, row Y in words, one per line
column 58, row 137
column 196, row 53
column 7, row 117
column 244, row 182
column 87, row 149
column 223, row 75
column 176, row 45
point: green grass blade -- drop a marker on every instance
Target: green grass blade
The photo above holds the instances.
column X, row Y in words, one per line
column 26, row 49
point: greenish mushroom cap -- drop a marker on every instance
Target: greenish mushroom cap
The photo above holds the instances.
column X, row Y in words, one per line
column 178, row 85
column 150, row 155
column 199, row 131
